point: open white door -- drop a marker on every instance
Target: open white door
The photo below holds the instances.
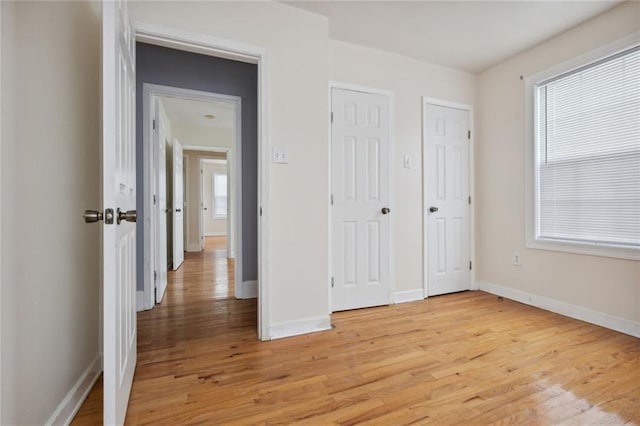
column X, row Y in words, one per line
column 203, row 205
column 178, row 206
column 361, row 195
column 119, row 203
column 160, row 160
column 447, row 209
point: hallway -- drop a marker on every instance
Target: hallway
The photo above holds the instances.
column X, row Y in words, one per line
column 198, row 318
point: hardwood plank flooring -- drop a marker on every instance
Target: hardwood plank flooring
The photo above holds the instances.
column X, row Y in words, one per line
column 464, row 358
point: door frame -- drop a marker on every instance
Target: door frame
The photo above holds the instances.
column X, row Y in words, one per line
column 426, row 100
column 392, row 231
column 228, row 49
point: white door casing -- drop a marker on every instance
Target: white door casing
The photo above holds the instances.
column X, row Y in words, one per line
column 178, row 206
column 447, row 198
column 361, row 189
column 160, row 143
column 119, row 192
column 203, row 206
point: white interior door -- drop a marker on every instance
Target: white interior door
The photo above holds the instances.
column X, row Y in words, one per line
column 360, row 181
column 447, row 210
column 160, row 141
column 119, row 195
column 178, row 205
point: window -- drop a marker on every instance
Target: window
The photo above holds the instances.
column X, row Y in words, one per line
column 219, row 195
column 586, row 128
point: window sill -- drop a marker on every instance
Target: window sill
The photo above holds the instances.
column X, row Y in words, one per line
column 603, row 250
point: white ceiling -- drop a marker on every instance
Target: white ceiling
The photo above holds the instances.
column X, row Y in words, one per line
column 189, row 113
column 465, row 35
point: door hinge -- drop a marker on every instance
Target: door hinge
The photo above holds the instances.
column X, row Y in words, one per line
column 154, row 199
column 332, row 116
column 469, row 199
column 260, row 211
column 331, row 199
column 155, row 276
column 469, row 134
column 332, row 282
column 154, row 124
column 470, row 265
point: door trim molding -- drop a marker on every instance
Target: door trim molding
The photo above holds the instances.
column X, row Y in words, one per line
column 229, row 49
column 472, row 254
column 392, row 225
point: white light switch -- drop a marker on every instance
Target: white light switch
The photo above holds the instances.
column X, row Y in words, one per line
column 407, row 161
column 280, row 156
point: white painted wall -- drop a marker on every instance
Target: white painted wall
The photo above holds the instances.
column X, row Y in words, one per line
column 212, row 226
column 409, row 79
column 600, row 284
column 297, row 69
column 50, row 175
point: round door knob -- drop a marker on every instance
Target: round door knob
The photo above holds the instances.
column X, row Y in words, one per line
column 129, row 216
column 386, row 210
column 433, row 209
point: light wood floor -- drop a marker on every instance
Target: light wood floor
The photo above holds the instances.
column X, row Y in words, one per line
column 464, row 358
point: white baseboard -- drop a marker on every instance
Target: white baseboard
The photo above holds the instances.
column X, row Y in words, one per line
column 70, row 404
column 139, row 300
column 301, row 326
column 622, row 325
column 249, row 289
column 215, row 234
column 408, row 296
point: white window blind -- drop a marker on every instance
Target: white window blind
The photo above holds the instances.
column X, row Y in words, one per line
column 588, row 153
column 219, row 195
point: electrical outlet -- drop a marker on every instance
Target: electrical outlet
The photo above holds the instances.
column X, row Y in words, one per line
column 517, row 260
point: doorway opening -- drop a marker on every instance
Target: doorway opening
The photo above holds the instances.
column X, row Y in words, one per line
column 199, row 63
column 183, row 130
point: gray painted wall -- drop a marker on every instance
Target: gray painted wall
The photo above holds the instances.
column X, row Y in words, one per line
column 169, row 67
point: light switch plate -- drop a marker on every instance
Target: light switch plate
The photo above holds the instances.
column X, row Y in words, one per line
column 406, row 161
column 280, row 156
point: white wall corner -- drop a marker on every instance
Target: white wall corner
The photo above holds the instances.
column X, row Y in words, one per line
column 249, row 289
column 622, row 325
column 408, row 296
column 301, row 326
column 70, row 404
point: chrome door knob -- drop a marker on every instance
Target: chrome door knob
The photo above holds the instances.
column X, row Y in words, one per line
column 433, row 209
column 91, row 216
column 129, row 216
column 386, row 210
